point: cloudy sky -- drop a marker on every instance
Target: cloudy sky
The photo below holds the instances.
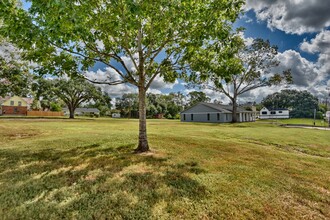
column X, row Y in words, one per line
column 300, row 29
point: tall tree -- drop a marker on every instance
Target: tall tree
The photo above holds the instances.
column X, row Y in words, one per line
column 250, row 66
column 128, row 105
column 156, row 104
column 196, row 97
column 139, row 40
column 175, row 103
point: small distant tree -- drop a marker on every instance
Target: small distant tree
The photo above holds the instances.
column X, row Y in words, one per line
column 36, row 105
column 128, row 105
column 175, row 104
column 55, row 107
column 74, row 92
column 245, row 69
column 196, row 97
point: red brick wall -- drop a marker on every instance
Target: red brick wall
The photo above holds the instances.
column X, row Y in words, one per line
column 14, row 110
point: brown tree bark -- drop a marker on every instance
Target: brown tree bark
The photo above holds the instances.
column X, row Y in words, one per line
column 71, row 110
column 234, row 113
column 143, row 140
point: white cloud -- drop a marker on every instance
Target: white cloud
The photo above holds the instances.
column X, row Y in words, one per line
column 294, row 16
column 9, row 52
column 154, row 91
column 247, row 40
column 99, row 44
column 304, row 72
column 107, row 76
column 110, row 75
column 129, row 63
column 320, row 45
column 159, row 83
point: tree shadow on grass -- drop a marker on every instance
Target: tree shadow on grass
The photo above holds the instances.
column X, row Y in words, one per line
column 94, row 182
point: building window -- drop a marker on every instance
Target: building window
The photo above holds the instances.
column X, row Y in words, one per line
column 208, row 117
column 280, row 112
column 273, row 112
column 184, row 117
column 218, row 116
column 264, row 113
column 19, row 103
column 12, row 103
column 192, row 117
column 226, row 117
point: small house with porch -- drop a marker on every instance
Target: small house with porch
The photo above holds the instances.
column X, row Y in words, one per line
column 215, row 113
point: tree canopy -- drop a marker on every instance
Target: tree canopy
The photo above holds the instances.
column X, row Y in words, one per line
column 15, row 78
column 247, row 68
column 196, row 97
column 300, row 103
column 74, row 92
column 139, row 40
column 168, row 104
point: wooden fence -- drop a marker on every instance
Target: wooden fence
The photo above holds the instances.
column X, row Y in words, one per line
column 47, row 113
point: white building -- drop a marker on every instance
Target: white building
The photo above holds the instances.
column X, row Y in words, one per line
column 273, row 113
column 115, row 115
column 327, row 116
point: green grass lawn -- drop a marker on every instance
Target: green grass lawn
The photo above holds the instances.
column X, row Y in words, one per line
column 85, row 169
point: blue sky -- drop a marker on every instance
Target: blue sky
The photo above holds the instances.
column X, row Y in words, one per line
column 258, row 29
column 303, row 42
column 300, row 29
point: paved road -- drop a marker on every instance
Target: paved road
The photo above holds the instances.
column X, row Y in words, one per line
column 309, row 127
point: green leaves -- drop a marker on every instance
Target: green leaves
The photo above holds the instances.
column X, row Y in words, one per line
column 300, row 103
column 61, row 35
column 15, row 78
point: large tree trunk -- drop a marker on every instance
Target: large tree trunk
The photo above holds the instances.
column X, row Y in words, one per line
column 71, row 110
column 143, row 140
column 234, row 116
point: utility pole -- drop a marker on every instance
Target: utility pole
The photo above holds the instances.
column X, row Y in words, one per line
column 326, row 104
column 314, row 115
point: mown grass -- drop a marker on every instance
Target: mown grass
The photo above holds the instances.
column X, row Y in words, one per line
column 85, row 169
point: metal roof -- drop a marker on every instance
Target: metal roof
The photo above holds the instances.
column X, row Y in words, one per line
column 86, row 110
column 276, row 109
column 220, row 108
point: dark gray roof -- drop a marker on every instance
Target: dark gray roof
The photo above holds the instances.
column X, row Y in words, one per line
column 85, row 110
column 220, row 108
column 278, row 109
